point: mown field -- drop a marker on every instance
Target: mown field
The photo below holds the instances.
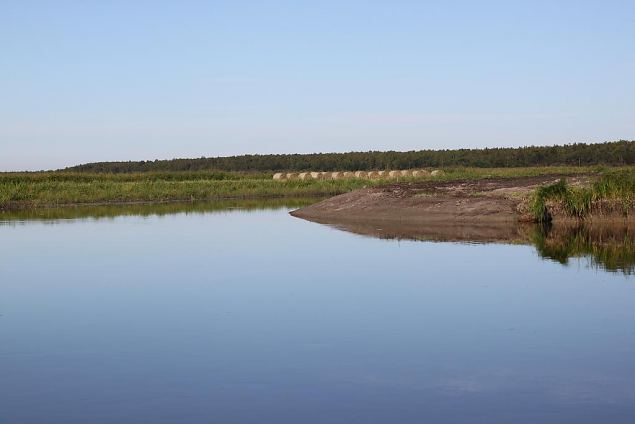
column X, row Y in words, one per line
column 42, row 189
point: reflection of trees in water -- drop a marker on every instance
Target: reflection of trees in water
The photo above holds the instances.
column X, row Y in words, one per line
column 608, row 246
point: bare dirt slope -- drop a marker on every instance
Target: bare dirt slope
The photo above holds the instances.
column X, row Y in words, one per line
column 495, row 200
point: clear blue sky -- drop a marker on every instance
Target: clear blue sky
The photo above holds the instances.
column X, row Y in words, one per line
column 129, row 80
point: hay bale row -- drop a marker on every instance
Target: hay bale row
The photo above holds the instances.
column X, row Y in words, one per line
column 279, row 176
column 373, row 175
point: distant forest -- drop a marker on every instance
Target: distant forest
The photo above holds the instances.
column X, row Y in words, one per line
column 611, row 153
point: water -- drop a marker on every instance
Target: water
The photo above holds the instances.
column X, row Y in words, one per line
column 207, row 314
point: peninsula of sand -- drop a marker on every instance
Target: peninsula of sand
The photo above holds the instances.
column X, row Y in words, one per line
column 458, row 202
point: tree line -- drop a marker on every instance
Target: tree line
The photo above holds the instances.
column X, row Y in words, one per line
column 610, row 153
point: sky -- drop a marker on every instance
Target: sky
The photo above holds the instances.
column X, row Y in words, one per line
column 85, row 81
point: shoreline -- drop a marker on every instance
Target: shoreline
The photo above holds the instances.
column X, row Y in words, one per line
column 43, row 206
column 457, row 202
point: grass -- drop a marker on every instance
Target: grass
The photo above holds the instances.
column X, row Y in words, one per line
column 51, row 192
column 617, row 186
column 459, row 173
column 39, row 189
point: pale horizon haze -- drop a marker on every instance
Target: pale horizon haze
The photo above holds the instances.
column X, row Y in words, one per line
column 86, row 81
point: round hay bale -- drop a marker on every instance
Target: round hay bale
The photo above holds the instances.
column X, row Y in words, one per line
column 349, row 174
column 373, row 175
column 382, row 174
column 420, row 173
column 279, row 176
column 394, row 174
column 436, row 173
column 316, row 175
column 337, row 175
column 406, row 173
column 292, row 176
column 304, row 176
column 361, row 174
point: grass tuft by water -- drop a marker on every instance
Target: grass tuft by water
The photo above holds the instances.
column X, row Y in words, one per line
column 616, row 186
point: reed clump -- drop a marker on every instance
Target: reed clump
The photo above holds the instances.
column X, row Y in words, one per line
column 615, row 188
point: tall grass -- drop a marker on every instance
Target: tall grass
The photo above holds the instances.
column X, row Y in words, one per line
column 617, row 186
column 21, row 194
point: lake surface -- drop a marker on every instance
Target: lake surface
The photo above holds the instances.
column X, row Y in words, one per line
column 213, row 313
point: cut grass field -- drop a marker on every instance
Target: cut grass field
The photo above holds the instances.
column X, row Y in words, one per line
column 42, row 189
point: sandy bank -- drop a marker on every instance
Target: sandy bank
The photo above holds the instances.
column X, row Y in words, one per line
column 447, row 203
column 474, row 201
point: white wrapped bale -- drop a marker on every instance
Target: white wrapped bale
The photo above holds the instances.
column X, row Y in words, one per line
column 279, row 176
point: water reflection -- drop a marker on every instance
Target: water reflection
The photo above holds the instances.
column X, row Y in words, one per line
column 246, row 317
column 12, row 217
column 608, row 246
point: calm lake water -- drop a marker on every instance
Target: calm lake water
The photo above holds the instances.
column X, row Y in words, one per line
column 211, row 313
